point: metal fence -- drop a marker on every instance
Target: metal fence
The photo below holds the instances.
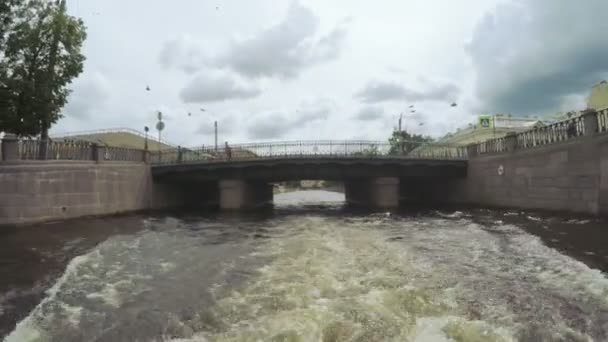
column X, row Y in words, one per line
column 123, row 154
column 30, row 149
column 560, row 131
column 301, row 149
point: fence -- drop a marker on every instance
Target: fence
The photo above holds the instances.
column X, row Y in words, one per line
column 587, row 124
column 300, row 149
column 30, row 149
column 560, row 131
column 491, row 146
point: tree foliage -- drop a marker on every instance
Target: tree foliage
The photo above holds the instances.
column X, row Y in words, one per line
column 370, row 151
column 402, row 142
column 41, row 57
column 7, row 8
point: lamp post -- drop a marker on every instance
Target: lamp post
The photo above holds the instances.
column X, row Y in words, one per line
column 146, row 130
column 160, row 125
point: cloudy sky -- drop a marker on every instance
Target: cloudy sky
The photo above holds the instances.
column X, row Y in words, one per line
column 321, row 69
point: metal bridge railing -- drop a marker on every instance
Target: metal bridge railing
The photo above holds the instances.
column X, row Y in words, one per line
column 307, row 149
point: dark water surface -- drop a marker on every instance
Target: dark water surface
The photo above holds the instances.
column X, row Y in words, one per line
column 308, row 272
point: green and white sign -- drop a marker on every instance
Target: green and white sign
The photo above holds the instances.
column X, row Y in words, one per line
column 486, row 121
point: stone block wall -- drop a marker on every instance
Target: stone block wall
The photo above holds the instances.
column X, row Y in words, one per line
column 570, row 176
column 37, row 192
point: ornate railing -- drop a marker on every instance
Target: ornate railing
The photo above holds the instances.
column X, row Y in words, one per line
column 122, row 154
column 307, row 149
column 491, row 146
column 589, row 123
column 30, row 149
column 560, row 131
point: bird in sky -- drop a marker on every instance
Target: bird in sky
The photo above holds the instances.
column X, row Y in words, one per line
column 147, row 88
column 454, row 104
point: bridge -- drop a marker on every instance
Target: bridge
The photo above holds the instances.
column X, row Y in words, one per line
column 371, row 171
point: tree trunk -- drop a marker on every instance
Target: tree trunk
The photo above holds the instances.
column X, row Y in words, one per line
column 44, row 134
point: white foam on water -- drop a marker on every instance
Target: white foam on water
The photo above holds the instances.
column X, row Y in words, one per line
column 74, row 314
column 564, row 273
column 167, row 266
column 453, row 328
column 578, row 221
column 28, row 329
column 333, row 282
column 108, row 295
column 456, row 214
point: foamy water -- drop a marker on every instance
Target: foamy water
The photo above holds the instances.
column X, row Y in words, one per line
column 306, row 276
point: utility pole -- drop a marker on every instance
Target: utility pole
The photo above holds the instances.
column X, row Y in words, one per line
column 215, row 127
column 45, row 122
column 401, row 133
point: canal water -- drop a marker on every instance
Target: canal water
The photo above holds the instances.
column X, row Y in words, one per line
column 309, row 270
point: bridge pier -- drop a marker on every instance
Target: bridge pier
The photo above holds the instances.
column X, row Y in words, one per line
column 381, row 192
column 240, row 194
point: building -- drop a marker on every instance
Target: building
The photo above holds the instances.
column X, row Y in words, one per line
column 503, row 124
column 599, row 96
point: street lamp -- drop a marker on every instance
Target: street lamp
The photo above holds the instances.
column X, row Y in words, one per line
column 160, row 125
column 146, row 130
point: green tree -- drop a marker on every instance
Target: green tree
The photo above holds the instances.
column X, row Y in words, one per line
column 7, row 14
column 42, row 56
column 370, row 151
column 402, row 142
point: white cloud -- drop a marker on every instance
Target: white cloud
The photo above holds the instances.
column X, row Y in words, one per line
column 283, row 50
column 184, row 53
column 206, row 87
column 376, row 92
column 370, row 113
column 90, row 95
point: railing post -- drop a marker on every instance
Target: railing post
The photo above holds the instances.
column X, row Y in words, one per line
column 10, row 147
column 511, row 142
column 472, row 150
column 97, row 153
column 590, row 122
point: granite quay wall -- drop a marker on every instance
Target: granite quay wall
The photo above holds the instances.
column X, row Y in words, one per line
column 571, row 176
column 46, row 191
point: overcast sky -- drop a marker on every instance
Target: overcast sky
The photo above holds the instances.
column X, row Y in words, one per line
column 321, row 69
